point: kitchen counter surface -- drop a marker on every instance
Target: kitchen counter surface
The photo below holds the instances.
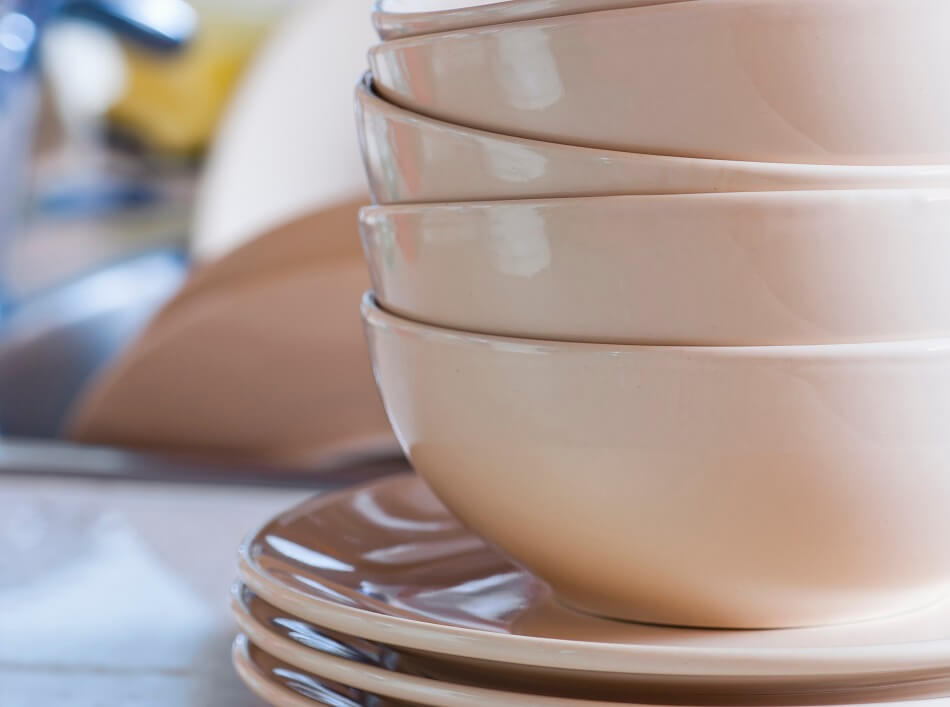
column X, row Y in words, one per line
column 114, row 593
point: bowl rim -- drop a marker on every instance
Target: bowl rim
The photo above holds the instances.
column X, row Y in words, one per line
column 369, row 99
column 392, row 24
column 376, row 317
column 380, row 17
column 659, row 6
column 782, row 197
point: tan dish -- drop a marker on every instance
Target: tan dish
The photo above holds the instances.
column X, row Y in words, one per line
column 412, row 158
column 704, row 269
column 282, row 684
column 731, row 487
column 260, row 355
column 414, row 689
column 811, row 81
column 450, row 599
column 283, row 635
column 406, row 18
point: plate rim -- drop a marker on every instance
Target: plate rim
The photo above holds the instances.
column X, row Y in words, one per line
column 882, row 660
column 388, row 683
column 249, row 674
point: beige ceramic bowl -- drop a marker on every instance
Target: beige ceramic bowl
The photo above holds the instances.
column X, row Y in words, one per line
column 811, row 81
column 407, row 18
column 710, row 269
column 709, row 486
column 412, row 158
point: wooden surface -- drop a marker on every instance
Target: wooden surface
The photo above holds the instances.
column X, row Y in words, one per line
column 114, row 594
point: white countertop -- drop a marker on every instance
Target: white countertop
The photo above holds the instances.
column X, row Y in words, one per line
column 114, row 593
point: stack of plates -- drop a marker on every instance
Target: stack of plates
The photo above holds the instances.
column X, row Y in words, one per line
column 378, row 595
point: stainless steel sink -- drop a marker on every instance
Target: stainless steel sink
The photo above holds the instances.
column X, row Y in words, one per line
column 52, row 344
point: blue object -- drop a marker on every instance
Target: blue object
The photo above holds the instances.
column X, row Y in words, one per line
column 161, row 25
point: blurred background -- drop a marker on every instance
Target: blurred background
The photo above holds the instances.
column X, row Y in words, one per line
column 141, row 141
column 180, row 273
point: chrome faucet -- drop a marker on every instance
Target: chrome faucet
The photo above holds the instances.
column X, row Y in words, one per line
column 160, row 25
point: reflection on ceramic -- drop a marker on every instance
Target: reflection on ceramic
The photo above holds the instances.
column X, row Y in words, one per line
column 283, row 634
column 807, row 81
column 263, row 623
column 411, row 158
column 282, row 685
column 407, row 18
column 739, row 487
column 714, row 269
column 387, row 562
column 285, row 645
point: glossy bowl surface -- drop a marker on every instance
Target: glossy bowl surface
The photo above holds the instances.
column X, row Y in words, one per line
column 412, row 158
column 703, row 269
column 809, row 81
column 406, row 18
column 729, row 487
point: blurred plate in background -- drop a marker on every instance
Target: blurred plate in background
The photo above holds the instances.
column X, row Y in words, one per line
column 288, row 142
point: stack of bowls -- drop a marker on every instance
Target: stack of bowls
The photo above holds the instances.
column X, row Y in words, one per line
column 661, row 311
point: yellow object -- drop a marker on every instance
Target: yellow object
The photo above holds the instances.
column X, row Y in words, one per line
column 173, row 102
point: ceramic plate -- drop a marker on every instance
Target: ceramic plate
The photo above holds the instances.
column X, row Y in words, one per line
column 307, row 647
column 387, row 562
column 336, row 658
column 281, row 685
